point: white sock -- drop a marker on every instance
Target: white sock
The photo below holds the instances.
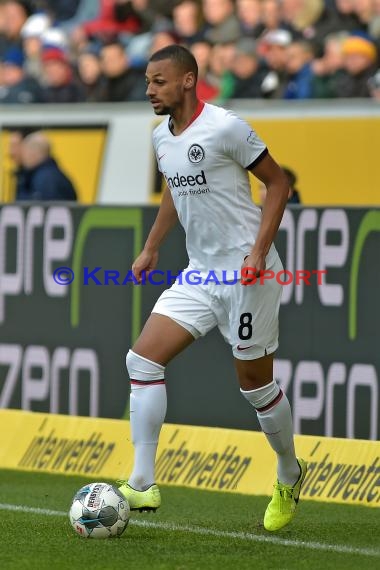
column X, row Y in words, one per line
column 147, row 414
column 275, row 417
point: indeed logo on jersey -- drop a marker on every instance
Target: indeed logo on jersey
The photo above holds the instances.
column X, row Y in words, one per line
column 181, row 181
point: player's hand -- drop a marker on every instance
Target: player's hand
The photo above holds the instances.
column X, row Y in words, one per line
column 147, row 262
column 252, row 267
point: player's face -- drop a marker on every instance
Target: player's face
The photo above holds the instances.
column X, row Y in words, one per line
column 166, row 86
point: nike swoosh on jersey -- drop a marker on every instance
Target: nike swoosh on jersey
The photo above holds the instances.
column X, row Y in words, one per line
column 244, row 347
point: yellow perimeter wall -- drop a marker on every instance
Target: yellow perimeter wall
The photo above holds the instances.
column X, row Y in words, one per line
column 340, row 470
column 336, row 160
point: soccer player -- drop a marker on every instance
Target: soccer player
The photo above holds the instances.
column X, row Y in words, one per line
column 205, row 153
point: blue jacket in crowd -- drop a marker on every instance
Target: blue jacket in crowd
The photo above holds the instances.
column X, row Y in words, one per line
column 45, row 182
column 300, row 84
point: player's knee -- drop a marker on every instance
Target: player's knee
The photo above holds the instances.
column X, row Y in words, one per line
column 262, row 397
column 142, row 369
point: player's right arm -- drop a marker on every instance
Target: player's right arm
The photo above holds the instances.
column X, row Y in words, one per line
column 166, row 219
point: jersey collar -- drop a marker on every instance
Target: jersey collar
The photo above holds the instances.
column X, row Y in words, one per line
column 197, row 112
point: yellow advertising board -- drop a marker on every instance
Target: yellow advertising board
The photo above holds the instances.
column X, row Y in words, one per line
column 340, row 470
column 335, row 159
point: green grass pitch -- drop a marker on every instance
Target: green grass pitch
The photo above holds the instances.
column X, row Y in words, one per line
column 193, row 530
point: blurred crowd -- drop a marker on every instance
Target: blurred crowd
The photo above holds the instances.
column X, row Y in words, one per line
column 69, row 51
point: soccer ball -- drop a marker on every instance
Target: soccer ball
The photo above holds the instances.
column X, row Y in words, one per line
column 99, row 510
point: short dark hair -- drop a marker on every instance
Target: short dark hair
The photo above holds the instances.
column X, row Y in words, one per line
column 179, row 55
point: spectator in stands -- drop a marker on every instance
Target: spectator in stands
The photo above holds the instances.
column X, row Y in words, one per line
column 374, row 85
column 290, row 10
column 248, row 71
column 91, row 79
column 163, row 38
column 160, row 33
column 272, row 16
column 15, row 14
column 31, row 34
column 258, row 17
column 299, row 55
column 220, row 63
column 328, row 70
column 294, row 196
column 59, row 84
column 346, row 17
column 274, row 50
column 87, row 10
column 60, row 10
column 249, row 13
column 364, row 10
column 359, row 65
column 17, row 86
column 163, row 8
column 225, row 54
column 115, row 17
column 207, row 87
column 3, row 37
column 144, row 26
column 311, row 19
column 124, row 83
column 374, row 24
column 222, row 22
column 128, row 17
column 147, row 13
column 187, row 21
column 55, row 38
column 44, row 180
column 16, row 137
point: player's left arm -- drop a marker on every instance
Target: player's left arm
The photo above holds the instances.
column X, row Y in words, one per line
column 271, row 174
column 239, row 141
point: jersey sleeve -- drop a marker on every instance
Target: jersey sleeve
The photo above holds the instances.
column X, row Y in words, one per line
column 241, row 142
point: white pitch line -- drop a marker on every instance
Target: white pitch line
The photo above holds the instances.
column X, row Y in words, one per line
column 34, row 510
column 172, row 527
column 341, row 549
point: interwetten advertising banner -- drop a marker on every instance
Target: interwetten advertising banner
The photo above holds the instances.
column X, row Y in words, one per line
column 340, row 470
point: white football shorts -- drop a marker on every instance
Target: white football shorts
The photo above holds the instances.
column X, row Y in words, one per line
column 246, row 315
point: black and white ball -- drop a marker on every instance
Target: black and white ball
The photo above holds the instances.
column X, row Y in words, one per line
column 99, row 510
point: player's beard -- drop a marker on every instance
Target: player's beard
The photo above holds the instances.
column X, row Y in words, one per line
column 163, row 111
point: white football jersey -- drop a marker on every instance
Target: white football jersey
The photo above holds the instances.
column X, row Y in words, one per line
column 205, row 170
